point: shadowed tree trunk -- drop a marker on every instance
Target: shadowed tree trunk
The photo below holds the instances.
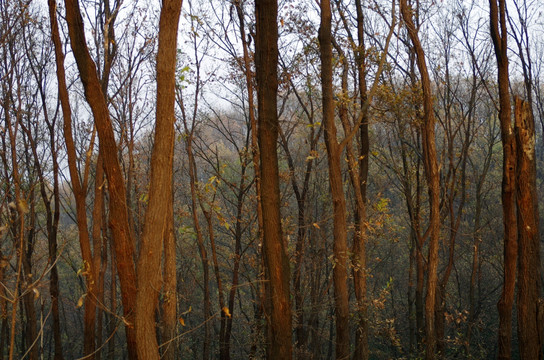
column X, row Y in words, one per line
column 169, row 306
column 529, row 303
column 340, row 247
column 508, row 192
column 249, row 77
column 358, row 249
column 274, row 249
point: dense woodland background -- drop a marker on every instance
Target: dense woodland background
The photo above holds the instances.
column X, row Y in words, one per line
column 137, row 213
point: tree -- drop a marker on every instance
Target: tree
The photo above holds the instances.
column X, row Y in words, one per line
column 500, row 43
column 433, row 182
column 157, row 228
column 340, row 252
column 529, row 301
column 274, row 248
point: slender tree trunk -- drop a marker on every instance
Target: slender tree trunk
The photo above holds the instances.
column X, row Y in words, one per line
column 433, row 182
column 359, row 241
column 474, row 273
column 96, row 232
column 508, row 192
column 529, row 303
column 237, row 259
column 249, row 77
column 79, row 189
column 201, row 246
column 169, row 306
column 18, row 213
column 358, row 259
column 274, row 248
column 28, row 299
column 477, row 239
column 53, row 217
column 156, row 227
column 340, row 248
column 113, row 304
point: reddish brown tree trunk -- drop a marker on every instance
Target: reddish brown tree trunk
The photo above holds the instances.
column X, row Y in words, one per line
column 79, row 190
column 360, row 271
column 169, row 306
column 274, row 248
column 340, row 248
column 529, row 303
column 122, row 235
column 508, row 192
column 156, row 227
column 433, row 182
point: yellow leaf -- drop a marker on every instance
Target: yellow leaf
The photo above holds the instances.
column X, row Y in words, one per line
column 80, row 301
column 36, row 293
column 316, row 225
column 188, row 311
column 23, row 206
column 226, row 311
column 182, row 322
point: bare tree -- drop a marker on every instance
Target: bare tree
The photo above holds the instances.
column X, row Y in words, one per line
column 277, row 287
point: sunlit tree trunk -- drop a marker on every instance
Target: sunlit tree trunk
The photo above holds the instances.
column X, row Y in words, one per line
column 433, row 182
column 122, row 234
column 156, row 227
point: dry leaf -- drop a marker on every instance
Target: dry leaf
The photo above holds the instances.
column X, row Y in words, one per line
column 36, row 293
column 226, row 311
column 80, row 301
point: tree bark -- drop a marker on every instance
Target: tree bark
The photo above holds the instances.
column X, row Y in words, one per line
column 200, row 243
column 249, row 77
column 274, row 248
column 169, row 306
column 433, row 182
column 529, row 301
column 156, row 227
column 360, row 271
column 122, row 234
column 340, row 248
column 508, row 191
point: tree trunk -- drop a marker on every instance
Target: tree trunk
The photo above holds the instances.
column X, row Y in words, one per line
column 96, row 232
column 169, row 306
column 249, row 77
column 200, row 243
column 274, row 248
column 508, row 192
column 360, row 271
column 156, row 227
column 79, row 189
column 122, row 234
column 31, row 337
column 340, row 248
column 529, row 301
column 433, row 182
